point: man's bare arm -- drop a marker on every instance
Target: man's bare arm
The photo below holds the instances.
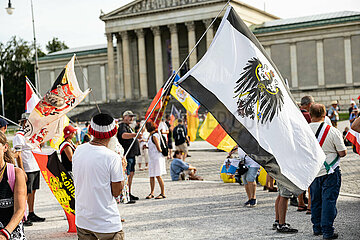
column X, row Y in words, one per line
column 356, row 125
column 116, row 188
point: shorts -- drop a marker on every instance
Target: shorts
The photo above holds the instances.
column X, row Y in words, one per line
column 87, row 234
column 283, row 192
column 250, row 175
column 130, row 165
column 33, row 182
column 183, row 147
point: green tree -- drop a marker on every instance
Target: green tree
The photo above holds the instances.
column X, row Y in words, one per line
column 55, row 45
column 16, row 62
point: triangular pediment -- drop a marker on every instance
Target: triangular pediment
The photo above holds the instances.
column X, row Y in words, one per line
column 139, row 7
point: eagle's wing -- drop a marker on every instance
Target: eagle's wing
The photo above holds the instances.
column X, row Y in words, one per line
column 270, row 105
column 246, row 89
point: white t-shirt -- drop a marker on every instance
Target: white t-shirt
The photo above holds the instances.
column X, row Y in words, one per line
column 94, row 168
column 28, row 159
column 333, row 143
column 163, row 128
column 144, row 139
column 249, row 162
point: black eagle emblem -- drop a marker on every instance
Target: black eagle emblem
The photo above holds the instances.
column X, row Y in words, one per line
column 257, row 86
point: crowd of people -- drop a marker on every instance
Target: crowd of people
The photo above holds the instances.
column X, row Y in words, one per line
column 101, row 174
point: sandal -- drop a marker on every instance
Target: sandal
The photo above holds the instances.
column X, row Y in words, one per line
column 308, row 211
column 161, row 196
column 150, row 196
column 301, row 209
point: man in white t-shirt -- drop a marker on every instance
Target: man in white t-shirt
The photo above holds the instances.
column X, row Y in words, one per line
column 26, row 161
column 98, row 179
column 326, row 187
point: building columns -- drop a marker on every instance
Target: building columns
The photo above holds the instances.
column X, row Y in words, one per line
column 191, row 43
column 210, row 32
column 126, row 64
column 293, row 63
column 142, row 64
column 348, row 61
column 320, row 62
column 158, row 57
column 175, row 62
column 111, row 67
column 119, row 84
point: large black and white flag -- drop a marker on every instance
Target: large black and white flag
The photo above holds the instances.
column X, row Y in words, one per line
column 240, row 85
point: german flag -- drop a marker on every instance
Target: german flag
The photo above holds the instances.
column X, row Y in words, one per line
column 212, row 132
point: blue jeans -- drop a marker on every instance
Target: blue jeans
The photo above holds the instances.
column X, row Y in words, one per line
column 324, row 192
column 130, row 167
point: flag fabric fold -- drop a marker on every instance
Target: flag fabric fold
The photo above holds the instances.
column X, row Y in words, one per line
column 64, row 95
column 189, row 103
column 159, row 110
column 354, row 138
column 175, row 114
column 192, row 125
column 239, row 84
column 32, row 98
column 212, row 132
column 60, row 183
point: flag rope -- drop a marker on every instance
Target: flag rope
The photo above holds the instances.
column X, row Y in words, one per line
column 172, row 77
column 91, row 92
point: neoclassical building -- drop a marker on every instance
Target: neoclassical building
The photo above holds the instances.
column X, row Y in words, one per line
column 148, row 39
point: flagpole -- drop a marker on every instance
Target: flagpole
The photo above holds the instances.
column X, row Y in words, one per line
column 37, row 74
column 10, row 121
column 172, row 77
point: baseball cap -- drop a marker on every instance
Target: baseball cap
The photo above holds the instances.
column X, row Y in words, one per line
column 128, row 113
column 24, row 116
column 68, row 130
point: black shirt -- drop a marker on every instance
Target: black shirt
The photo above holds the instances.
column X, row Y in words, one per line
column 125, row 143
column 180, row 134
column 6, row 201
column 64, row 159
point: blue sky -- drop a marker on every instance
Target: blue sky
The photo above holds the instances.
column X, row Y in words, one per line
column 78, row 24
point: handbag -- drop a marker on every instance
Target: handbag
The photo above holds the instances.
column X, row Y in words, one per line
column 242, row 169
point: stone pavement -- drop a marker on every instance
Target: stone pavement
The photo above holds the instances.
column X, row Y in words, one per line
column 207, row 210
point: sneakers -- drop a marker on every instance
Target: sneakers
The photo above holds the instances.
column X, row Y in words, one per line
column 28, row 223
column 132, row 197
column 32, row 217
column 276, row 224
column 285, row 228
column 253, row 203
column 247, row 203
column 334, row 236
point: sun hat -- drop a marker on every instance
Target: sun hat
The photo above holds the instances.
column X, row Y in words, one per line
column 68, row 130
column 102, row 126
column 334, row 102
column 128, row 113
column 24, row 116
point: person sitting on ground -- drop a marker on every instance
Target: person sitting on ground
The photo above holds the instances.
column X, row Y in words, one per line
column 12, row 194
column 179, row 168
column 326, row 186
column 67, row 148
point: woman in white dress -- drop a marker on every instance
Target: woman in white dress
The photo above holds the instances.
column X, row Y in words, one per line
column 156, row 161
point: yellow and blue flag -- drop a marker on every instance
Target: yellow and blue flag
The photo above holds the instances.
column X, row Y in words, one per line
column 189, row 103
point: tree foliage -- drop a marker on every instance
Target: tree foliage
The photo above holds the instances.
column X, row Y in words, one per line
column 16, row 62
column 55, row 45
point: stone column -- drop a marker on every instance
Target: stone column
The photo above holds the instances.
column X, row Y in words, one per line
column 126, row 64
column 320, row 62
column 119, row 84
column 210, row 33
column 111, row 67
column 293, row 63
column 191, row 43
column 175, row 62
column 142, row 64
column 158, row 58
column 348, row 61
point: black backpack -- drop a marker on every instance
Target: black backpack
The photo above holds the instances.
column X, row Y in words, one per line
column 163, row 146
column 179, row 135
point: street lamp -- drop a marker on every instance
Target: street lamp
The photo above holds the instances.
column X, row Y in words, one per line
column 9, row 9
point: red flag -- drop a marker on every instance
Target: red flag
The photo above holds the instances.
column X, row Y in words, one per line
column 31, row 98
column 60, row 184
column 354, row 138
column 160, row 107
